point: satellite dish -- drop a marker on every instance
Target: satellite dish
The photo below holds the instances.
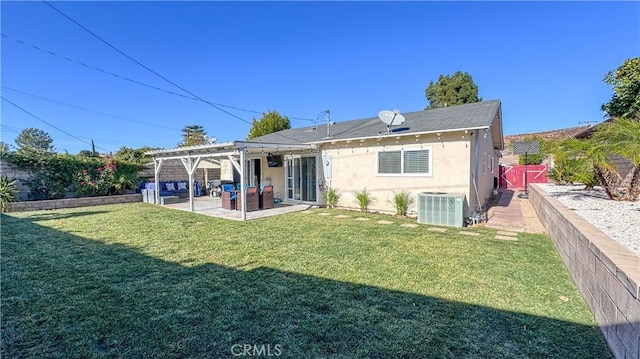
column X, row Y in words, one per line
column 211, row 140
column 386, row 116
column 390, row 118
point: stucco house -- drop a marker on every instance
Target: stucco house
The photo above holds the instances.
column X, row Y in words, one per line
column 452, row 150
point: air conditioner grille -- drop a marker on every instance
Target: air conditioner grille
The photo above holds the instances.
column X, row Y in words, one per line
column 442, row 209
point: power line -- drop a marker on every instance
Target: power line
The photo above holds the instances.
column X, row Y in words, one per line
column 156, row 73
column 27, row 94
column 97, row 68
column 107, row 140
column 18, row 92
column 57, row 128
column 10, row 129
column 136, row 81
column 145, row 67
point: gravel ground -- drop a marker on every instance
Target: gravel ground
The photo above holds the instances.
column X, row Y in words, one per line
column 619, row 220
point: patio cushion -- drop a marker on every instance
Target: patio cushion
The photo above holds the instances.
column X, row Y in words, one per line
column 182, row 186
column 169, row 186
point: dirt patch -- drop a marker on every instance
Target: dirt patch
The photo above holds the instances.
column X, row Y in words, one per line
column 530, row 219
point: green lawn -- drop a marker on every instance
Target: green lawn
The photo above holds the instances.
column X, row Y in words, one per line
column 139, row 280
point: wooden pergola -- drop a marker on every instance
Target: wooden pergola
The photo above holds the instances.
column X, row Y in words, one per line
column 236, row 152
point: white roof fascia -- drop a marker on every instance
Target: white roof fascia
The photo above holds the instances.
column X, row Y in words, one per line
column 193, row 155
column 253, row 144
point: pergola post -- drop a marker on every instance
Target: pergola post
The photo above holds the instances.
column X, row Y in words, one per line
column 243, row 187
column 157, row 166
column 191, row 167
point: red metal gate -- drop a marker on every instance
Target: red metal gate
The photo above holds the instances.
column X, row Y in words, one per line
column 513, row 176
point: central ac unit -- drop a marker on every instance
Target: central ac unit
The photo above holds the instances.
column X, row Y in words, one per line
column 441, row 209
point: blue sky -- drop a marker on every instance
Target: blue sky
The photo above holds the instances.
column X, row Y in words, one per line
column 544, row 60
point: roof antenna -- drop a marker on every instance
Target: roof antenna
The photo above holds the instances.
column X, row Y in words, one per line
column 329, row 123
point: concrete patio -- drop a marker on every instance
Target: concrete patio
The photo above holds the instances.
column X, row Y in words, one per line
column 212, row 206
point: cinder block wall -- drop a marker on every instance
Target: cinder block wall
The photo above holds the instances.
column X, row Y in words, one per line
column 72, row 202
column 174, row 171
column 14, row 173
column 624, row 167
column 606, row 273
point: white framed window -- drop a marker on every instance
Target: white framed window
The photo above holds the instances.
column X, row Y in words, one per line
column 404, row 162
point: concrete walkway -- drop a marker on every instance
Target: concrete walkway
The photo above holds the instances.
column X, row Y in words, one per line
column 513, row 214
column 212, row 206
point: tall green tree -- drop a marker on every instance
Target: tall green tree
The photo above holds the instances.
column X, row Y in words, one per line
column 456, row 89
column 625, row 101
column 270, row 122
column 193, row 135
column 33, row 142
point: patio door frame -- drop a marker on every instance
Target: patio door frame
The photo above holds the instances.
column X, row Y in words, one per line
column 251, row 178
column 293, row 175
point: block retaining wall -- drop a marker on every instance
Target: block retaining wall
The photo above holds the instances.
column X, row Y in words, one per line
column 72, row 202
column 606, row 273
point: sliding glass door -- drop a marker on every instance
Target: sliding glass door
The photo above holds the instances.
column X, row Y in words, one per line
column 252, row 172
column 301, row 178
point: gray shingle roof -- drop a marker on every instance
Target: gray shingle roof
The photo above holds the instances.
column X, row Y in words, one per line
column 468, row 116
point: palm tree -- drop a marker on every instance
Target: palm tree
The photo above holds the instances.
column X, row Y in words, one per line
column 621, row 136
column 595, row 159
column 193, row 135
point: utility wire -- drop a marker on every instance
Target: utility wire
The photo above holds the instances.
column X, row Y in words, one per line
column 57, row 128
column 156, row 73
column 137, row 144
column 148, row 69
column 10, row 129
column 18, row 92
column 136, row 81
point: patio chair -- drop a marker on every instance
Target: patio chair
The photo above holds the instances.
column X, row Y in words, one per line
column 253, row 202
column 228, row 196
column 266, row 197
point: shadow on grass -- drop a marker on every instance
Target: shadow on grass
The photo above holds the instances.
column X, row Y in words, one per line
column 54, row 215
column 68, row 296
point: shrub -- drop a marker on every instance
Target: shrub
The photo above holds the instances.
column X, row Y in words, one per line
column 46, row 185
column 8, row 192
column 55, row 175
column 401, row 201
column 570, row 170
column 364, row 199
column 331, row 196
column 103, row 180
